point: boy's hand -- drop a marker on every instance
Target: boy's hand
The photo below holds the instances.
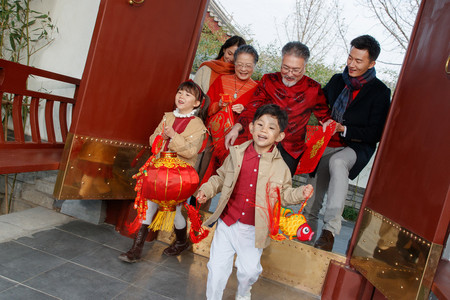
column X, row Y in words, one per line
column 201, row 198
column 307, row 191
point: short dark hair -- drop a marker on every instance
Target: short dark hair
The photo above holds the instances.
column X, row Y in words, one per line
column 297, row 49
column 232, row 41
column 369, row 43
column 247, row 49
column 275, row 111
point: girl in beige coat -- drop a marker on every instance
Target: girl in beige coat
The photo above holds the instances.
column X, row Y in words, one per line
column 183, row 132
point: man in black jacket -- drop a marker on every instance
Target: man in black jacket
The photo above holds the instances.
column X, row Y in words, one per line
column 360, row 104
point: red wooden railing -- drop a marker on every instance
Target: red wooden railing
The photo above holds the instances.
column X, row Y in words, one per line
column 21, row 154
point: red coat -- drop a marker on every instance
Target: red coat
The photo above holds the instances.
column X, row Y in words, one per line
column 300, row 100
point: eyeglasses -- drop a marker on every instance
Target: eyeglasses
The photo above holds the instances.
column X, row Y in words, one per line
column 294, row 71
column 242, row 66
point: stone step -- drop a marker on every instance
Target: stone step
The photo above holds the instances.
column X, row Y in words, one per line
column 30, row 194
column 44, row 186
column 17, row 187
column 25, row 177
column 20, row 205
column 48, row 176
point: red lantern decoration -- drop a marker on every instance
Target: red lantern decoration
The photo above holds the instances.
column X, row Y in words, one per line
column 168, row 181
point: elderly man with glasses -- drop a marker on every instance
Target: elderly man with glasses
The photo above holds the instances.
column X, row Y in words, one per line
column 294, row 92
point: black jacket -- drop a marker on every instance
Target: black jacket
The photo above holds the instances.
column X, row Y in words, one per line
column 364, row 117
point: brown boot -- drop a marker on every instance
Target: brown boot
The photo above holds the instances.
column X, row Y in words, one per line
column 180, row 244
column 134, row 254
column 325, row 241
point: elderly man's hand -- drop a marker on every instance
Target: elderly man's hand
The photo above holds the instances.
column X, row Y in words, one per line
column 324, row 125
column 231, row 137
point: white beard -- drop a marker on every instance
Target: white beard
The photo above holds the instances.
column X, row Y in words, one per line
column 289, row 83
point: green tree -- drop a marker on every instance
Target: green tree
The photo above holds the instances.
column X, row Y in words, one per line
column 316, row 23
column 208, row 46
column 321, row 72
column 269, row 61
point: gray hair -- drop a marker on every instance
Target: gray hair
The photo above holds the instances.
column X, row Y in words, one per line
column 297, row 49
column 246, row 49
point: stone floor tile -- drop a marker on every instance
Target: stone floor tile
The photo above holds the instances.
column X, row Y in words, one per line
column 73, row 282
column 19, row 262
column 59, row 243
column 23, row 292
column 135, row 293
column 104, row 260
column 5, row 283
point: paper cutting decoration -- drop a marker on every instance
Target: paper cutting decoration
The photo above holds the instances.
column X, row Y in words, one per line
column 158, row 142
column 221, row 122
column 315, row 146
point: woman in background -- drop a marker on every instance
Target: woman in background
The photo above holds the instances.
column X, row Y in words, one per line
column 222, row 65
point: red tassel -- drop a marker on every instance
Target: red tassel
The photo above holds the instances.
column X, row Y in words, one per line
column 272, row 212
column 140, row 203
column 133, row 226
column 197, row 233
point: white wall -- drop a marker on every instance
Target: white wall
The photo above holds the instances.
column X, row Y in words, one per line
column 75, row 21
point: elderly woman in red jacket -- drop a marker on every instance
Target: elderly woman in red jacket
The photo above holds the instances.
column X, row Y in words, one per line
column 229, row 95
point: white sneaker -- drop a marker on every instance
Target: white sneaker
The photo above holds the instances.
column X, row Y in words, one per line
column 247, row 296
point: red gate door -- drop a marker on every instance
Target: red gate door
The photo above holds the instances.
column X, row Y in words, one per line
column 406, row 209
column 140, row 52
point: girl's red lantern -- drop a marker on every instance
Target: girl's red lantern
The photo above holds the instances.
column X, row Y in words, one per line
column 169, row 181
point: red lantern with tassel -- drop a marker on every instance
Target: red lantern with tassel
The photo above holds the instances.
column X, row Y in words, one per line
column 168, row 182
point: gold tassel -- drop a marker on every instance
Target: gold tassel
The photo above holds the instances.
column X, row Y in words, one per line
column 163, row 221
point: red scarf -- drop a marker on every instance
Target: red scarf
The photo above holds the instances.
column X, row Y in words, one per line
column 218, row 67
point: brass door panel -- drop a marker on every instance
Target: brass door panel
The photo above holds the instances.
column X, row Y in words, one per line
column 396, row 261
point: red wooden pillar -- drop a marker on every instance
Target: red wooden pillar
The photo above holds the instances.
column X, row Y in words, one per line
column 139, row 54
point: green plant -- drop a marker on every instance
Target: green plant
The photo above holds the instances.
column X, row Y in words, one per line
column 24, row 31
column 350, row 213
column 208, row 46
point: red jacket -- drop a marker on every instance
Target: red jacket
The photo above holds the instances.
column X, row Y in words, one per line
column 300, row 100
